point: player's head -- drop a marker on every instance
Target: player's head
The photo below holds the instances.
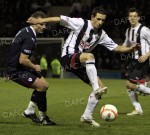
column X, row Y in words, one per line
column 39, row 27
column 133, row 16
column 98, row 17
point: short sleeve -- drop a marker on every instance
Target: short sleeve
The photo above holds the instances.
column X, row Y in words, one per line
column 107, row 42
column 28, row 46
column 71, row 23
column 145, row 34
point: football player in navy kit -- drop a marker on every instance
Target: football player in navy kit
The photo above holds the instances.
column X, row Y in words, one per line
column 21, row 70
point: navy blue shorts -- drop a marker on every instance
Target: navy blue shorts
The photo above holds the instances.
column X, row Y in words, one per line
column 25, row 78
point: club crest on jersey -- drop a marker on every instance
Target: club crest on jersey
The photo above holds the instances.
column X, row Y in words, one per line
column 84, row 45
column 29, row 79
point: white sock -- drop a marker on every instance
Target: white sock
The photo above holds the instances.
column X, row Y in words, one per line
column 143, row 88
column 92, row 102
column 42, row 115
column 31, row 108
column 92, row 73
column 133, row 98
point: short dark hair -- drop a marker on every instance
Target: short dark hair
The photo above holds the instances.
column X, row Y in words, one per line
column 134, row 10
column 98, row 10
column 39, row 14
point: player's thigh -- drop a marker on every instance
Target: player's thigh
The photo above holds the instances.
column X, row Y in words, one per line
column 86, row 56
column 40, row 84
column 70, row 62
column 29, row 80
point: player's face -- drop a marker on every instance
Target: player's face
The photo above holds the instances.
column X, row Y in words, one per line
column 133, row 18
column 40, row 28
column 98, row 20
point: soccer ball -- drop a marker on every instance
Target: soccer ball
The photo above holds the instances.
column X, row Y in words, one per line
column 108, row 112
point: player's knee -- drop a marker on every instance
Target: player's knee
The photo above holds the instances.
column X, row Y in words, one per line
column 43, row 87
column 90, row 56
column 128, row 85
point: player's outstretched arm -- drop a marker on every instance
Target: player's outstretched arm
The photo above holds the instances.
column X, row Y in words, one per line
column 124, row 49
column 33, row 20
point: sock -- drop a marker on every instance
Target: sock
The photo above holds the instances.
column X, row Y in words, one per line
column 92, row 102
column 143, row 88
column 40, row 99
column 42, row 115
column 31, row 108
column 92, row 73
column 34, row 96
column 134, row 100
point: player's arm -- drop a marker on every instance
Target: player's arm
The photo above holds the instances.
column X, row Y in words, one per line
column 124, row 49
column 143, row 58
column 71, row 23
column 33, row 20
column 25, row 61
column 112, row 46
column 26, row 51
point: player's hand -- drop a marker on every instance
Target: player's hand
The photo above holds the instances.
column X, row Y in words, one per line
column 143, row 58
column 33, row 20
column 136, row 46
column 37, row 67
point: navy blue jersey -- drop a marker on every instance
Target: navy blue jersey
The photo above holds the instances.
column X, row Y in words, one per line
column 24, row 42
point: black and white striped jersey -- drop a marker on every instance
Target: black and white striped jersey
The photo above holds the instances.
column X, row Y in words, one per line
column 82, row 36
column 131, row 38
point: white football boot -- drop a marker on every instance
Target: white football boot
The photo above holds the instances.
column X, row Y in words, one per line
column 135, row 112
column 91, row 122
column 100, row 91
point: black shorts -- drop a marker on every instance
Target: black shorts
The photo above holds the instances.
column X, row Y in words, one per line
column 25, row 78
column 136, row 71
column 71, row 63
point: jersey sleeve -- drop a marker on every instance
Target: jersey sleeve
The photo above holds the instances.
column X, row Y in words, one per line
column 28, row 46
column 107, row 42
column 71, row 23
column 145, row 35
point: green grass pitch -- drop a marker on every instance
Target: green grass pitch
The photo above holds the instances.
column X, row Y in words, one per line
column 67, row 100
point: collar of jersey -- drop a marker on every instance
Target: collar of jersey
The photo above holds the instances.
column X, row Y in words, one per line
column 33, row 30
column 136, row 27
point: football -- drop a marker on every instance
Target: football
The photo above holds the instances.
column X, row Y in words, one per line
column 109, row 112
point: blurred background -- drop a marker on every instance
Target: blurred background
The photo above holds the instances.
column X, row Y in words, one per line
column 14, row 14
